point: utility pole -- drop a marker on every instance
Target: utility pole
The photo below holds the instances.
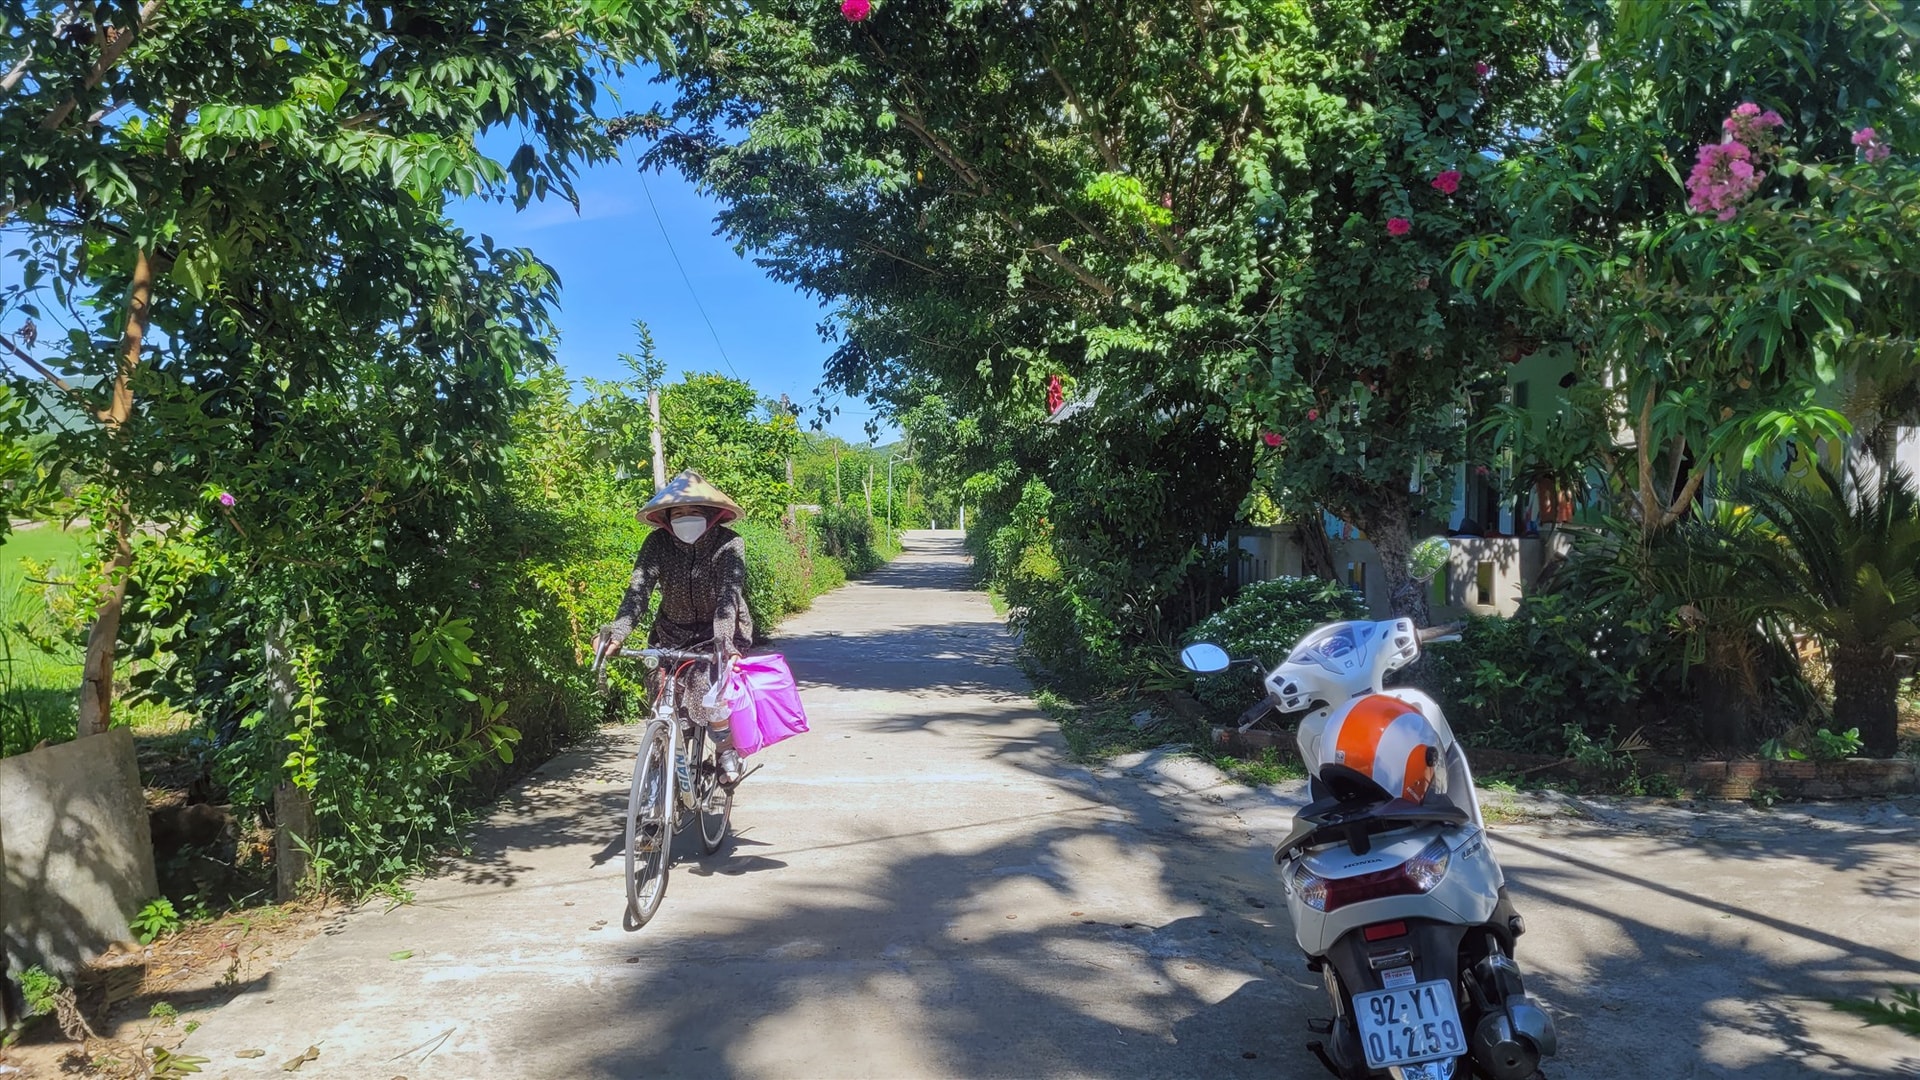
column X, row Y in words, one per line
column 659, row 449
column 890, row 461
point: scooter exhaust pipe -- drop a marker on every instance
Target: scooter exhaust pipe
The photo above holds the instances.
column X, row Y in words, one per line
column 1514, row 1032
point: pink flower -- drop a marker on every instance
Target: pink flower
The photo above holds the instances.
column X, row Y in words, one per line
column 1723, row 177
column 1479, row 470
column 226, row 499
column 855, row 10
column 1273, row 439
column 1482, row 69
column 1313, row 414
column 1399, row 226
column 1747, row 124
column 1448, row 181
column 1871, row 148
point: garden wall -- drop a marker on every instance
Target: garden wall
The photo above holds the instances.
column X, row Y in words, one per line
column 1484, row 575
column 1737, row 779
column 75, row 850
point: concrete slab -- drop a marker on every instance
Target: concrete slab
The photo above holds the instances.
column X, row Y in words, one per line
column 77, row 861
column 926, row 886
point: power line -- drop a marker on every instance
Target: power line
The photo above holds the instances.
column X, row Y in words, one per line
column 698, row 306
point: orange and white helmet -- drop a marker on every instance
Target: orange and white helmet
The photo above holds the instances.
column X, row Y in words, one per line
column 1382, row 748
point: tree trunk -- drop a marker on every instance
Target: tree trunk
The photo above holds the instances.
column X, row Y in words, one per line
column 96, row 684
column 1316, row 554
column 1866, row 695
column 96, row 680
column 1386, row 516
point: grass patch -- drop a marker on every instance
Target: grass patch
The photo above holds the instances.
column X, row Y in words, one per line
column 40, row 662
column 39, row 671
column 1107, row 727
column 1271, row 767
column 43, row 544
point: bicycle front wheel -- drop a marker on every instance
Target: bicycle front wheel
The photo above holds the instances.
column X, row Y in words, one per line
column 649, row 826
column 714, row 799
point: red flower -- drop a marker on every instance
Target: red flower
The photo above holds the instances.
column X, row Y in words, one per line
column 855, row 10
column 1481, row 68
column 1399, row 226
column 1313, row 414
column 1273, row 439
column 1448, row 181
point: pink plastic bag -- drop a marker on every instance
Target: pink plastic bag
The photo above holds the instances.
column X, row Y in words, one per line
column 765, row 703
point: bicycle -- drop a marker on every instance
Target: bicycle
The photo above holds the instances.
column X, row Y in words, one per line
column 658, row 808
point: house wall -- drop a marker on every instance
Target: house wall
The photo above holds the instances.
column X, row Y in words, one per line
column 1484, row 575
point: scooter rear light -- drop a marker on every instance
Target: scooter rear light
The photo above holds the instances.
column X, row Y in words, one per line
column 1385, row 930
column 1414, row 877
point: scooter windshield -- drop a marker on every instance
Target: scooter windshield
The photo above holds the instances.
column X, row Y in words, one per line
column 1337, row 648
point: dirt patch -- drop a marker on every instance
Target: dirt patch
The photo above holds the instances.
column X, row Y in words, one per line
column 142, row 1001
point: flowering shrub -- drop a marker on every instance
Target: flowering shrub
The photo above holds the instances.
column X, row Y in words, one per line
column 1263, row 623
column 1724, row 174
column 1722, row 179
column 1871, row 148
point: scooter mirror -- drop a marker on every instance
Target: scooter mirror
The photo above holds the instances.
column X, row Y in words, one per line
column 1205, row 659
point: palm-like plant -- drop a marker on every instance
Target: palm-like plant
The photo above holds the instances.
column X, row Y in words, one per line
column 1843, row 563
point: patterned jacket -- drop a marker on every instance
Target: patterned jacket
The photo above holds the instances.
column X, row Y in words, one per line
column 702, row 592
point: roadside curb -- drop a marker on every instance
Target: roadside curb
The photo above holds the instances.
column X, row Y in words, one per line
column 1850, row 778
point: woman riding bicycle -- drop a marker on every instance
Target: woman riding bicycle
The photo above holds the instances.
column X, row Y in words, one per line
column 700, row 568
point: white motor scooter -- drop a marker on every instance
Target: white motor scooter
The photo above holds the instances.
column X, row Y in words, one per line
column 1395, row 895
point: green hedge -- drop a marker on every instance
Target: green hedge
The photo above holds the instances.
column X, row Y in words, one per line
column 784, row 573
column 1263, row 623
column 846, row 534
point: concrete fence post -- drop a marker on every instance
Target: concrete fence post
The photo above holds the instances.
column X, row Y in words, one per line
column 292, row 807
column 292, row 840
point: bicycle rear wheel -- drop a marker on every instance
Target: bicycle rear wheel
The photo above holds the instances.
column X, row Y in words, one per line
column 715, row 800
column 649, row 826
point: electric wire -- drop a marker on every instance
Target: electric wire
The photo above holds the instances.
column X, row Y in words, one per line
column 697, row 305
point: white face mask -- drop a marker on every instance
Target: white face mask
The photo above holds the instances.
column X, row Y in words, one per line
column 688, row 529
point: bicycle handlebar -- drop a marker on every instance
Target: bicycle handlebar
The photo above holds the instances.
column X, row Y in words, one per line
column 665, row 654
column 653, row 656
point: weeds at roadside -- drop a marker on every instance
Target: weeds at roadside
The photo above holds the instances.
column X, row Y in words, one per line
column 1268, row 769
column 1107, row 727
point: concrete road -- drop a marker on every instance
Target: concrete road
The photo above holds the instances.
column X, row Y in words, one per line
column 925, row 886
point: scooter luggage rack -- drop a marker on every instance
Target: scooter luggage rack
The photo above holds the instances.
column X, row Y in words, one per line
column 1356, row 822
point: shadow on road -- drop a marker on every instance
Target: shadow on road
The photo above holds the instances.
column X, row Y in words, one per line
column 1051, row 920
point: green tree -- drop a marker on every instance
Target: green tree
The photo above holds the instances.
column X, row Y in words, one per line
column 1192, row 210
column 742, row 443
column 1721, row 330
column 240, row 211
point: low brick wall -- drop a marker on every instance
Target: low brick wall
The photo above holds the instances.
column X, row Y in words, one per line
column 75, row 851
column 1735, row 779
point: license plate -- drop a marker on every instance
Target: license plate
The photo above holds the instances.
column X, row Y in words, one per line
column 1408, row 1025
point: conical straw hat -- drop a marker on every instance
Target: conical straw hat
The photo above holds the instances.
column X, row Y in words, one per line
column 689, row 489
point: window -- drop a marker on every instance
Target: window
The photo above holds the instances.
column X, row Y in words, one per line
column 1483, row 584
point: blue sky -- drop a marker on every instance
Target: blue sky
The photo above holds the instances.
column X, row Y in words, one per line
column 615, row 267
